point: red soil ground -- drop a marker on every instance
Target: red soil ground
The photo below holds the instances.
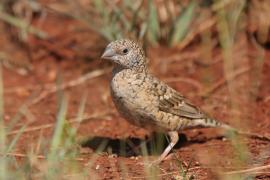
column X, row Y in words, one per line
column 72, row 50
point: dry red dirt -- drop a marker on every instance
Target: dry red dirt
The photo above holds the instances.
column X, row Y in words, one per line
column 72, row 50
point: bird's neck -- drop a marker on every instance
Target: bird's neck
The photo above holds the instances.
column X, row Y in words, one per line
column 119, row 68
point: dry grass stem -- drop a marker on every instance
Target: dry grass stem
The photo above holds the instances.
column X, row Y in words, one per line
column 72, row 83
column 73, row 120
column 190, row 81
column 224, row 81
column 20, row 155
column 251, row 170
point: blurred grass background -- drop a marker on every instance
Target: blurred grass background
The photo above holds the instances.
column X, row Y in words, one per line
column 172, row 23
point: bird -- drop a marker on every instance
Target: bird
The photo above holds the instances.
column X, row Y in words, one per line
column 147, row 102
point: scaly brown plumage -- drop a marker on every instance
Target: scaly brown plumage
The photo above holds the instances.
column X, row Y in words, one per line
column 146, row 101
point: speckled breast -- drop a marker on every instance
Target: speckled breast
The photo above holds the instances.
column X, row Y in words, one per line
column 127, row 91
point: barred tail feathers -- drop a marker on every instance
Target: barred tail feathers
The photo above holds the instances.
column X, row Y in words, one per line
column 208, row 122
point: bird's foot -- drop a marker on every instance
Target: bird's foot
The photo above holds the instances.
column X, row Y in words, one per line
column 155, row 162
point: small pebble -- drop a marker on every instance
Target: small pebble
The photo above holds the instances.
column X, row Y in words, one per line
column 113, row 156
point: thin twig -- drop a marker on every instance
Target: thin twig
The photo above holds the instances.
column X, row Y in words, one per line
column 224, row 81
column 249, row 170
column 72, row 83
column 164, row 174
column 73, row 120
column 20, row 155
column 185, row 80
column 254, row 135
column 30, row 87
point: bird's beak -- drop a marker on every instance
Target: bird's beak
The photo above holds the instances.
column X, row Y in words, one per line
column 108, row 53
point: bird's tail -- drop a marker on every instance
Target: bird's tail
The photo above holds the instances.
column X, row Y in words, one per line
column 209, row 122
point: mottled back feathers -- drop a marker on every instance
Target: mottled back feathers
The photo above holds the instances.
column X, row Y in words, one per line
column 130, row 78
column 171, row 101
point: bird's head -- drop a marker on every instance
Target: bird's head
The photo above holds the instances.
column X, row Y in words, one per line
column 125, row 53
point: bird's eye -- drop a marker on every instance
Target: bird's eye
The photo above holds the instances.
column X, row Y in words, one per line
column 125, row 51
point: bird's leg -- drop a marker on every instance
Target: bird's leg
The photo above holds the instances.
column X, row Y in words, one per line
column 174, row 139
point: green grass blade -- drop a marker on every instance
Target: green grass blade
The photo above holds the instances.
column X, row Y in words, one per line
column 22, row 111
column 60, row 122
column 81, row 111
column 71, row 131
column 15, row 139
column 21, row 24
column 153, row 23
column 135, row 15
column 99, row 6
column 100, row 148
column 3, row 163
column 142, row 31
column 182, row 24
column 55, row 156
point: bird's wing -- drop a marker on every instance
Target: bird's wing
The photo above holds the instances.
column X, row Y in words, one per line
column 171, row 101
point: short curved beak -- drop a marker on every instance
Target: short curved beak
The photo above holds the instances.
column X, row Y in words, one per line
column 108, row 53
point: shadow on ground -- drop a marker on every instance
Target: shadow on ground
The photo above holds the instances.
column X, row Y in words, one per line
column 134, row 146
